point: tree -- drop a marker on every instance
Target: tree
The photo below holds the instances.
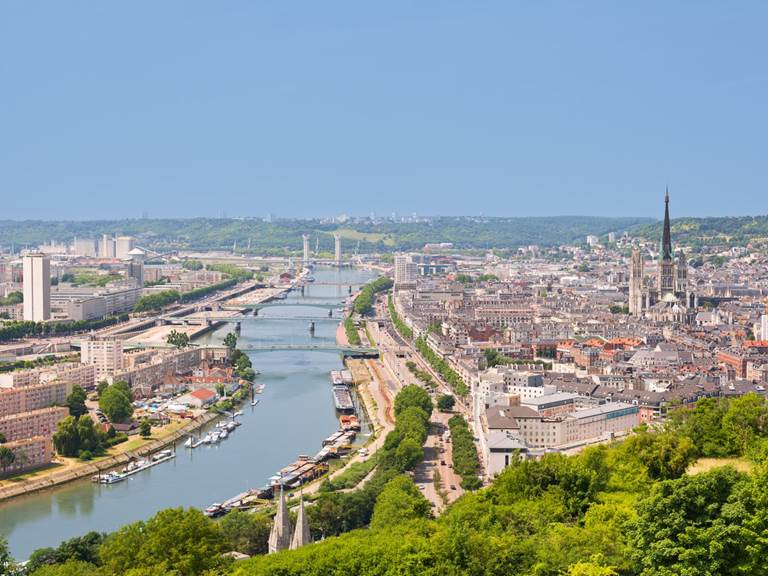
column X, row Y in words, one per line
column 178, row 339
column 2, row 438
column 413, row 395
column 408, row 454
column 175, row 541
column 7, row 565
column 101, row 386
column 446, row 402
column 115, row 404
column 693, row 526
column 76, row 436
column 7, row 458
column 76, row 402
column 746, row 419
column 399, row 502
column 145, row 428
column 230, row 341
column 246, row 533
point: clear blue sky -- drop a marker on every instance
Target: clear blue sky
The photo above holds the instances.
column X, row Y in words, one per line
column 108, row 109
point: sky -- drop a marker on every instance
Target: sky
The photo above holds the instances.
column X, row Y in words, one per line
column 514, row 108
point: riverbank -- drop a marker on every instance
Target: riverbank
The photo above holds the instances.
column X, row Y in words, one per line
column 32, row 482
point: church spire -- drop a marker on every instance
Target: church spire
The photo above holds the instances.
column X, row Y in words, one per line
column 666, row 238
column 280, row 536
column 301, row 534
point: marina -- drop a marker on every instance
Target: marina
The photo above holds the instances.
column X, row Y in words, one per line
column 293, row 385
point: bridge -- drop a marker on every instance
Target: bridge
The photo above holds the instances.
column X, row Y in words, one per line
column 192, row 320
column 335, row 305
column 354, row 351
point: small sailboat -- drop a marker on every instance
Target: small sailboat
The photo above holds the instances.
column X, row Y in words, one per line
column 254, row 402
column 189, row 442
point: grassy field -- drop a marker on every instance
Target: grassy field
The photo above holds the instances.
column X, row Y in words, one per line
column 707, row 464
column 350, row 234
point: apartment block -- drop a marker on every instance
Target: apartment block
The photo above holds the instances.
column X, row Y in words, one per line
column 40, row 422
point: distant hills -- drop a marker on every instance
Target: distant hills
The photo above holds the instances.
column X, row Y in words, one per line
column 284, row 236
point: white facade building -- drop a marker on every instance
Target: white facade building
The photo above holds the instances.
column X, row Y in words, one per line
column 406, row 271
column 37, row 287
column 123, row 246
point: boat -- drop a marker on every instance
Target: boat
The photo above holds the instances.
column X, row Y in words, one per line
column 238, row 413
column 223, row 434
column 231, row 426
column 189, row 443
column 254, row 402
column 214, row 510
column 109, row 478
column 342, row 399
column 207, row 439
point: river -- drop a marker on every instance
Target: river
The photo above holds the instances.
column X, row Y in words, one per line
column 294, row 415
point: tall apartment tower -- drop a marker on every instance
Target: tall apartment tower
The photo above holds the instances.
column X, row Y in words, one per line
column 636, row 274
column 305, row 239
column 337, row 246
column 37, row 287
column 107, row 246
column 405, row 271
column 666, row 278
column 123, row 245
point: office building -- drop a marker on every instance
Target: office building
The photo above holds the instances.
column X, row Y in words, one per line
column 37, row 287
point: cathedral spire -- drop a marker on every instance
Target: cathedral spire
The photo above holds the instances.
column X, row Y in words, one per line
column 301, row 534
column 666, row 239
column 280, row 536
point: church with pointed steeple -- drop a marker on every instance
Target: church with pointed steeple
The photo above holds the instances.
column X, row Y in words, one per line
column 280, row 535
column 670, row 299
column 283, row 535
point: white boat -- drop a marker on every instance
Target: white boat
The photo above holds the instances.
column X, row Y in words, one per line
column 231, row 426
column 189, row 442
column 254, row 402
column 109, row 478
column 238, row 413
column 207, row 439
column 223, row 434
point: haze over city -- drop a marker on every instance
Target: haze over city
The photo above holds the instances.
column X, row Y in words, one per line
column 180, row 109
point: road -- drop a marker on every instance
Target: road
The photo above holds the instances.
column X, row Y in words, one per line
column 437, row 453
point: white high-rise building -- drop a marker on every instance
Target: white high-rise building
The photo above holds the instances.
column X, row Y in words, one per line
column 406, row 271
column 84, row 247
column 107, row 246
column 106, row 354
column 764, row 327
column 37, row 287
column 337, row 247
column 123, row 245
column 305, row 238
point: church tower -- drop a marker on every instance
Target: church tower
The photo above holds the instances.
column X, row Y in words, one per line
column 301, row 534
column 666, row 263
column 280, row 536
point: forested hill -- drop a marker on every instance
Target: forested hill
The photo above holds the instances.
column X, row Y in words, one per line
column 361, row 234
column 732, row 231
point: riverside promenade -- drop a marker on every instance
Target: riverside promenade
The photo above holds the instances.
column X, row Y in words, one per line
column 61, row 474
